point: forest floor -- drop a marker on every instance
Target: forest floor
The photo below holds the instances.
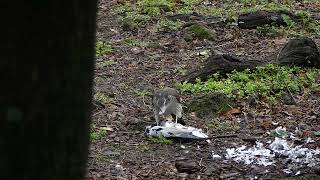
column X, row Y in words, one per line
column 136, row 59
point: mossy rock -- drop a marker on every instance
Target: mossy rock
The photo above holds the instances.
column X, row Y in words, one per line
column 209, row 104
column 198, row 31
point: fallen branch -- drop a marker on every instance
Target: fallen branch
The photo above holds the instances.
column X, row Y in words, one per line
column 261, row 18
column 222, row 63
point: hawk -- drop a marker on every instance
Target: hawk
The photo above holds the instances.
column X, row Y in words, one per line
column 167, row 102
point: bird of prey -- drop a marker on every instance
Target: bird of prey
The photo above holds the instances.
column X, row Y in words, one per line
column 167, row 102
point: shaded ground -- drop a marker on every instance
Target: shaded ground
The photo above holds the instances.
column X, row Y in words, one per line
column 124, row 153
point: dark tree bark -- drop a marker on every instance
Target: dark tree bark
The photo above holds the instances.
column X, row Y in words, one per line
column 222, row 63
column 260, row 18
column 300, row 52
column 46, row 72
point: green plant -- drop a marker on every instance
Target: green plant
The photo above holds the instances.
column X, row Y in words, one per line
column 305, row 17
column 134, row 19
column 154, row 7
column 159, row 140
column 143, row 93
column 103, row 48
column 102, row 98
column 123, row 8
column 106, row 63
column 168, row 25
column 98, row 134
column 268, row 81
column 103, row 158
column 281, row 133
column 302, row 26
column 223, row 126
column 186, row 10
column 132, row 41
column 290, row 23
column 201, row 32
column 192, row 2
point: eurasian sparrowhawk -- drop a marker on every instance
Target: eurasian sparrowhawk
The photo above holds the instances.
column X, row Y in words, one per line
column 167, row 102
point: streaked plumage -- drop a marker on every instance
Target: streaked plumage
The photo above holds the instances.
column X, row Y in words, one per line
column 167, row 102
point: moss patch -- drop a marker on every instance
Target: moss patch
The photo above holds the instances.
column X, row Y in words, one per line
column 201, row 32
column 209, row 104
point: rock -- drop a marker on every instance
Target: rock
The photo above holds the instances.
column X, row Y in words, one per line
column 187, row 166
column 300, row 52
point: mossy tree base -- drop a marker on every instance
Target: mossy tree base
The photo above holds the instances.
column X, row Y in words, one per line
column 209, row 104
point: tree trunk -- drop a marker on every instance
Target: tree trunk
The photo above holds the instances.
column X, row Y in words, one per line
column 46, row 71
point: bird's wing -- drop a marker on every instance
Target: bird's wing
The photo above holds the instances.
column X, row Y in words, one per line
column 169, row 129
column 167, row 103
column 170, row 105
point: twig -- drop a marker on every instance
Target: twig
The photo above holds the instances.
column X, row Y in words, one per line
column 294, row 100
column 147, row 174
column 200, row 162
column 144, row 103
column 278, row 55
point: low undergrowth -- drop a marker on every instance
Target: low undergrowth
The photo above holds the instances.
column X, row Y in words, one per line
column 141, row 12
column 268, row 81
column 103, row 48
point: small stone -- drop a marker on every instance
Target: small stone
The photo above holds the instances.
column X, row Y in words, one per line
column 187, row 166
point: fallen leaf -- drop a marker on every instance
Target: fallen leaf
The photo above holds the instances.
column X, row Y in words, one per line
column 231, row 112
column 267, row 124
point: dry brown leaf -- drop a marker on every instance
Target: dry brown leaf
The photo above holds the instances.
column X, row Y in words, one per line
column 267, row 124
column 231, row 112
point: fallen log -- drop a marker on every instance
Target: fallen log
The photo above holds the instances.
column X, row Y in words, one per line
column 222, row 63
column 297, row 52
column 261, row 18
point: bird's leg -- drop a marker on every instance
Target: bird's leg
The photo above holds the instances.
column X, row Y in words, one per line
column 156, row 116
column 176, row 119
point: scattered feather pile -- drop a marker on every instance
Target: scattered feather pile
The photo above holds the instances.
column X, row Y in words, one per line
column 297, row 154
column 175, row 130
column 266, row 156
column 255, row 155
